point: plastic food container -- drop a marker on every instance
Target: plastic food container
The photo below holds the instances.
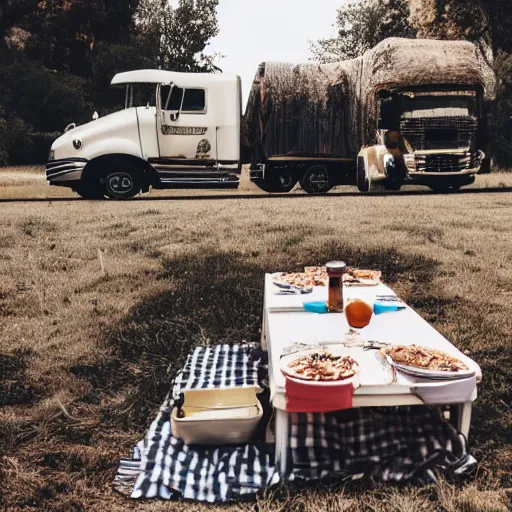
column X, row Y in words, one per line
column 217, row 416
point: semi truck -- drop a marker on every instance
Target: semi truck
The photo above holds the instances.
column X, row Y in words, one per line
column 407, row 111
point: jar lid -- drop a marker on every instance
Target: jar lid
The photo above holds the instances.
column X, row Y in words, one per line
column 336, row 266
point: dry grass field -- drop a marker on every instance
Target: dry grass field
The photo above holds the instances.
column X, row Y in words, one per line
column 100, row 302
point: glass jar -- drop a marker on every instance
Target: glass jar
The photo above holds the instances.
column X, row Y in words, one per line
column 335, row 271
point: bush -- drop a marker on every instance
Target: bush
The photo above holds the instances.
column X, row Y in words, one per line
column 20, row 145
column 501, row 133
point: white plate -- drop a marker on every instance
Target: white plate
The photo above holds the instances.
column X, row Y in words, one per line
column 291, row 374
column 430, row 374
column 363, row 282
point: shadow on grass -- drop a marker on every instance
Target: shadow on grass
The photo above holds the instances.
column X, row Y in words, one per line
column 14, row 388
column 236, row 196
column 213, row 296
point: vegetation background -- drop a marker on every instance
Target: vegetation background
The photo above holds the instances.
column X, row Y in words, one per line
column 58, row 56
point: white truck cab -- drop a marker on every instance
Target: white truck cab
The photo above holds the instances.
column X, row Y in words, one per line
column 176, row 130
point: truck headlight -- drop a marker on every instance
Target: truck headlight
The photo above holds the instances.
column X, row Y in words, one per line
column 51, row 155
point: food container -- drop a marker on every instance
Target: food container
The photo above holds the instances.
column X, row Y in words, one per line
column 335, row 270
column 217, row 416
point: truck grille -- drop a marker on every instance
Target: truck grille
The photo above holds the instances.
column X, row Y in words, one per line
column 447, row 162
column 425, row 133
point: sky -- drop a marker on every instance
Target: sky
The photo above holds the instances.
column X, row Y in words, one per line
column 254, row 31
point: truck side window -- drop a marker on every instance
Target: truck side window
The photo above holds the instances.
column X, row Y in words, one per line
column 176, row 97
column 194, row 100
column 174, row 101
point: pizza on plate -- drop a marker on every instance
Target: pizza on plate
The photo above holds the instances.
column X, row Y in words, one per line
column 360, row 276
column 323, row 366
column 318, row 274
column 298, row 280
column 424, row 358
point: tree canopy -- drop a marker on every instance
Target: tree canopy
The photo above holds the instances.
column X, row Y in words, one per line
column 361, row 25
column 58, row 57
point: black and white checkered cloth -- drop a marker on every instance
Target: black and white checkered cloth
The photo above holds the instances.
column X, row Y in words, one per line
column 162, row 466
column 402, row 444
column 392, row 444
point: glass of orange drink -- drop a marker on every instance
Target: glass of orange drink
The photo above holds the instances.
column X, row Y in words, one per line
column 358, row 312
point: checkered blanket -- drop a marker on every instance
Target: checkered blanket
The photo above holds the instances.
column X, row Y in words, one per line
column 405, row 444
column 392, row 444
column 162, row 466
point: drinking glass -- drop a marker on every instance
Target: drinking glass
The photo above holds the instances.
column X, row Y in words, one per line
column 358, row 312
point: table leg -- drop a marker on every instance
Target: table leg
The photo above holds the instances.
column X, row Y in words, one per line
column 264, row 346
column 465, row 418
column 460, row 417
column 281, row 439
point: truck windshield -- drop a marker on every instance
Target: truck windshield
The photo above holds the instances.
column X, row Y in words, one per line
column 140, row 95
column 438, row 106
column 396, row 107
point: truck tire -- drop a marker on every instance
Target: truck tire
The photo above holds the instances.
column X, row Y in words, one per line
column 485, row 166
column 316, row 180
column 282, row 182
column 363, row 182
column 90, row 189
column 122, row 183
column 396, row 172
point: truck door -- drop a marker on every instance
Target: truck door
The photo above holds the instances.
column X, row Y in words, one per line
column 185, row 126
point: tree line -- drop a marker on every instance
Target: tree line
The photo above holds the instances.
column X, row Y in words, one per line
column 58, row 56
column 360, row 25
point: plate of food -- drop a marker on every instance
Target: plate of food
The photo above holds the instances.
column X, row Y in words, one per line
column 299, row 281
column 318, row 275
column 426, row 362
column 320, row 367
column 360, row 277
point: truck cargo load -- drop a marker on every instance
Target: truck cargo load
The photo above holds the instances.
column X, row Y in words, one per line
column 312, row 113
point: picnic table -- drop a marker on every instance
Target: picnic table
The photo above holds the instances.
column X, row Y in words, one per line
column 285, row 323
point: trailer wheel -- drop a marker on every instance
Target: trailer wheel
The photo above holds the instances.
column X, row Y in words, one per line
column 282, row 182
column 122, row 184
column 363, row 181
column 316, row 180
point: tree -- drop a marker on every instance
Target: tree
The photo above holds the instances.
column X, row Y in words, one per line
column 12, row 11
column 174, row 38
column 484, row 22
column 362, row 25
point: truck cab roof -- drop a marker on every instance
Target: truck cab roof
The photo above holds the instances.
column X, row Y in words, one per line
column 159, row 76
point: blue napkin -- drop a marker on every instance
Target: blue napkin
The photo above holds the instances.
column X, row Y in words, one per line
column 315, row 307
column 386, row 307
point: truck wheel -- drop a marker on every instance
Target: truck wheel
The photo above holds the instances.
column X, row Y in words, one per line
column 90, row 190
column 283, row 182
column 316, row 180
column 363, row 182
column 122, row 184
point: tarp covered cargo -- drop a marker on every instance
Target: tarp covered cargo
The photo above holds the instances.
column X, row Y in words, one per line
column 330, row 110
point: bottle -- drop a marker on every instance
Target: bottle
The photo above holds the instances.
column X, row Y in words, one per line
column 335, row 271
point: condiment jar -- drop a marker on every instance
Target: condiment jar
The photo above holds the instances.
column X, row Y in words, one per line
column 335, row 270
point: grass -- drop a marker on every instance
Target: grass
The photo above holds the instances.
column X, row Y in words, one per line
column 101, row 301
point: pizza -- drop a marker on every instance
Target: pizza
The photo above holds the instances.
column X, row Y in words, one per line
column 302, row 280
column 298, row 280
column 424, row 358
column 323, row 366
column 318, row 274
column 359, row 276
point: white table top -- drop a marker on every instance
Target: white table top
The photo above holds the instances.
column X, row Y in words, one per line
column 406, row 327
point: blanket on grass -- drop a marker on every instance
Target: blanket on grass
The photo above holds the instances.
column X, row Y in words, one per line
column 399, row 444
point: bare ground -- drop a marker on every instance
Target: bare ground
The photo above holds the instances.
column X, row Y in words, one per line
column 101, row 301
